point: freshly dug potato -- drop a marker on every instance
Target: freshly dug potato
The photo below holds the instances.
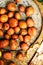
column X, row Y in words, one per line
column 4, row 43
column 24, row 46
column 14, row 36
column 4, row 18
column 1, row 25
column 18, row 16
column 6, row 26
column 13, row 44
column 7, row 36
column 22, row 24
column 17, row 1
column 17, row 29
column 21, row 38
column 20, row 56
column 12, row 63
column 2, row 62
column 23, row 32
column 21, row 8
column 10, row 31
column 11, row 6
column 27, row 38
column 7, row 55
column 10, row 14
column 32, row 31
column 1, row 33
column 30, row 22
column 2, row 11
column 13, row 22
column 29, row 11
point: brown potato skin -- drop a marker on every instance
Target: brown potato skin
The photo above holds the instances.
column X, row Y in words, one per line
column 27, row 38
column 2, row 62
column 2, row 11
column 7, row 55
column 30, row 22
column 12, row 63
column 21, row 8
column 6, row 26
column 17, row 29
column 13, row 44
column 1, row 25
column 20, row 38
column 32, row 31
column 29, row 11
column 1, row 33
column 11, row 6
column 31, row 63
column 4, row 18
column 10, row 31
column 7, row 36
column 13, row 22
column 24, row 46
column 15, row 36
column 17, row 1
column 17, row 16
column 22, row 24
column 23, row 32
column 20, row 56
column 4, row 43
column 10, row 14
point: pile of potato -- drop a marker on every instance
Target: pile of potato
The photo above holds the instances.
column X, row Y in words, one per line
column 13, row 27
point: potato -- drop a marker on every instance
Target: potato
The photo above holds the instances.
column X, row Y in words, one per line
column 7, row 55
column 11, row 6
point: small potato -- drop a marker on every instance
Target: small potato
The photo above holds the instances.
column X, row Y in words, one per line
column 32, row 31
column 20, row 56
column 24, row 32
column 0, row 54
column 13, row 22
column 1, row 25
column 4, row 18
column 0, row 17
column 7, row 55
column 7, row 36
column 29, row 11
column 10, row 31
column 6, row 26
column 12, row 63
column 17, row 16
column 22, row 24
column 31, row 63
column 27, row 38
column 21, row 8
column 15, row 36
column 24, row 46
column 13, row 44
column 17, row 1
column 17, row 29
column 30, row 22
column 20, row 38
column 1, row 33
column 10, row 14
column 4, row 43
column 2, row 62
column 2, row 11
column 11, row 6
